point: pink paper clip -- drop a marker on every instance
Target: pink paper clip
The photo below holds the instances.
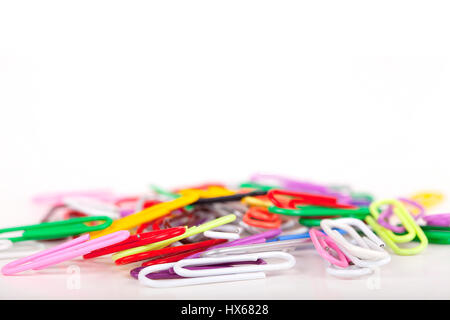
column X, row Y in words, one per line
column 323, row 243
column 63, row 252
column 58, row 197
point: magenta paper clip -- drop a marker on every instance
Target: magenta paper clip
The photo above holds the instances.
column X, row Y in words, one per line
column 382, row 218
column 56, row 199
column 438, row 220
column 323, row 244
column 63, row 252
column 170, row 274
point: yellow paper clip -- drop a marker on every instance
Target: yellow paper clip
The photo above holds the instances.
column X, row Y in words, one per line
column 188, row 196
column 255, row 202
column 148, row 214
column 211, row 192
column 428, row 199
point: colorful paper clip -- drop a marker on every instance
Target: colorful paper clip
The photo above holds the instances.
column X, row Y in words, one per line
column 170, row 274
column 253, row 239
column 148, row 214
column 390, row 238
column 148, row 282
column 367, row 254
column 58, row 229
column 315, row 211
column 362, row 249
column 301, row 198
column 189, row 232
column 284, row 245
column 229, row 232
column 436, row 234
column 388, row 212
column 262, row 218
column 212, row 275
column 428, row 199
column 63, row 252
column 323, row 244
column 138, row 240
column 441, row 220
column 92, row 207
column 57, row 198
column 169, row 254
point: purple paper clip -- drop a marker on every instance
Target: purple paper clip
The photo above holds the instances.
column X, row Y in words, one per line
column 438, row 220
column 382, row 219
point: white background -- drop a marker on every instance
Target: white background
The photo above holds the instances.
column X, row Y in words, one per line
column 121, row 94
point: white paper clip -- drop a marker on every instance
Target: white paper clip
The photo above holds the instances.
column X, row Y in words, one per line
column 228, row 231
column 349, row 272
column 366, row 254
column 363, row 250
column 227, row 274
column 191, row 281
column 92, row 206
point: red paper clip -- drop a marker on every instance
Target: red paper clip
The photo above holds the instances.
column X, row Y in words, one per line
column 260, row 217
column 121, row 201
column 138, row 240
column 174, row 252
column 73, row 214
column 305, row 199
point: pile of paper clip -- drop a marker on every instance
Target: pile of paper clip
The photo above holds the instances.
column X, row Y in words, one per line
column 214, row 233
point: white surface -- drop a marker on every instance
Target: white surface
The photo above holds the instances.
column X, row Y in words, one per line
column 121, row 94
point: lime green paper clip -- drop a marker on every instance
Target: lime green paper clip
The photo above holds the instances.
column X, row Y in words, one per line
column 57, row 229
column 189, row 232
column 311, row 211
column 413, row 230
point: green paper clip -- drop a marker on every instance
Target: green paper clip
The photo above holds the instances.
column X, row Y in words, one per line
column 310, row 223
column 254, row 185
column 57, row 229
column 436, row 234
column 311, row 211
